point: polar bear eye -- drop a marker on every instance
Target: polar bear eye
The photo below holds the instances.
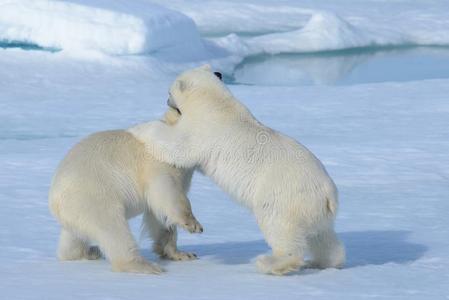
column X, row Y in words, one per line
column 182, row 86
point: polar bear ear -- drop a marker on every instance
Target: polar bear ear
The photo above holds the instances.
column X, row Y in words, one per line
column 219, row 75
column 206, row 67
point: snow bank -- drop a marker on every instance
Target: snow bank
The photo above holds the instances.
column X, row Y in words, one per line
column 215, row 18
column 269, row 27
column 114, row 27
column 326, row 31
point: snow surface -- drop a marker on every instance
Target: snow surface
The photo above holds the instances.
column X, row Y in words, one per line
column 385, row 144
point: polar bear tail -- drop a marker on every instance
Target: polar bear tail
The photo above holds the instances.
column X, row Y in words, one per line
column 332, row 205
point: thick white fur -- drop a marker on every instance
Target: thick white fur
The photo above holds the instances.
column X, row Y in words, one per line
column 108, row 178
column 287, row 188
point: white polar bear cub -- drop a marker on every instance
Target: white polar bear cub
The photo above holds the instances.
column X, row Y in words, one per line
column 287, row 188
column 108, row 178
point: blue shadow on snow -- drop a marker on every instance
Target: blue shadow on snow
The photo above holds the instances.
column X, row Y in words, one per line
column 362, row 248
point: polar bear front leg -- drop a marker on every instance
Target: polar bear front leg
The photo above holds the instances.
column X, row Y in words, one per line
column 167, row 143
column 164, row 239
column 168, row 202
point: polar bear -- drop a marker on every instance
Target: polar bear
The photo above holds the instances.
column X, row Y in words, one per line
column 287, row 188
column 108, row 178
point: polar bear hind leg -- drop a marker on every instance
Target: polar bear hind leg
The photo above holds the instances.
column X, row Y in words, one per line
column 164, row 238
column 117, row 242
column 326, row 250
column 73, row 247
column 288, row 244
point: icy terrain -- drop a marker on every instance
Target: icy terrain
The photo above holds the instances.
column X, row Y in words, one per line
column 385, row 144
column 234, row 29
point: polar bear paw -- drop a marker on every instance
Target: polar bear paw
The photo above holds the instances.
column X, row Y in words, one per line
column 180, row 256
column 93, row 253
column 80, row 251
column 192, row 225
column 278, row 265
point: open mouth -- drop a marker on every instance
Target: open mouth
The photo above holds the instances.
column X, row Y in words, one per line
column 170, row 104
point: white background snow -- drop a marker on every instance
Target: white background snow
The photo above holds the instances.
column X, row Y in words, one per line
column 385, row 144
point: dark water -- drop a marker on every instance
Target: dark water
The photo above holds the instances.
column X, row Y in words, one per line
column 345, row 67
column 24, row 46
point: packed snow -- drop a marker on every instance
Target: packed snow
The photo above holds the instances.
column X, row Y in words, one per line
column 385, row 144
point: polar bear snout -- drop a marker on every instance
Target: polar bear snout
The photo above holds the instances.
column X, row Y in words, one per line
column 171, row 103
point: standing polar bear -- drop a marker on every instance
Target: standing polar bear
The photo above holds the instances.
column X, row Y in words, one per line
column 108, row 178
column 287, row 188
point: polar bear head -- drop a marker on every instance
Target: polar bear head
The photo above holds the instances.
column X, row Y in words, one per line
column 198, row 90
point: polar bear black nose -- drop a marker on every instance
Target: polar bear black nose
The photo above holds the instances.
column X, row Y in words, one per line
column 173, row 106
column 218, row 74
